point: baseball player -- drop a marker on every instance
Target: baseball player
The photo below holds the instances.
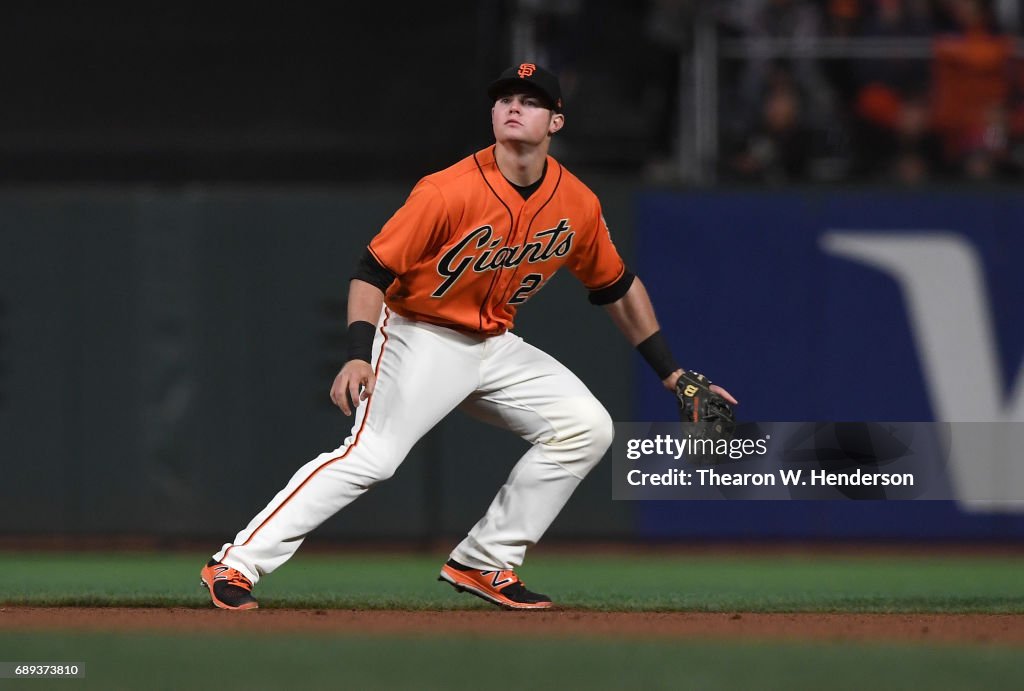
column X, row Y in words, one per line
column 430, row 311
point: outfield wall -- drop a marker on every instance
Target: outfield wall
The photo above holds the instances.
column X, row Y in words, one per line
column 840, row 306
column 165, row 354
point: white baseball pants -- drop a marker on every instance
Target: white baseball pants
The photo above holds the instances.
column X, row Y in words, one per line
column 423, row 373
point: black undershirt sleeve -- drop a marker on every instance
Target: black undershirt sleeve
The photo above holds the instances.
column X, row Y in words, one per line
column 369, row 270
column 609, row 294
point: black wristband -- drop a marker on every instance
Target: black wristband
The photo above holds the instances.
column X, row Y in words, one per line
column 360, row 340
column 658, row 355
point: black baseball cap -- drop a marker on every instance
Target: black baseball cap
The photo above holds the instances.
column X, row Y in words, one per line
column 527, row 73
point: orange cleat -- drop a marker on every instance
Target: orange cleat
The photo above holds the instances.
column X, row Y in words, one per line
column 229, row 589
column 502, row 588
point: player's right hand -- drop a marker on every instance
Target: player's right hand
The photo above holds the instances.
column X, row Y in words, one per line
column 353, row 384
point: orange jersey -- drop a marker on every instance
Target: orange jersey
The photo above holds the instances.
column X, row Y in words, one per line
column 466, row 249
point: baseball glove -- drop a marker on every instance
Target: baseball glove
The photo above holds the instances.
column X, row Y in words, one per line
column 711, row 414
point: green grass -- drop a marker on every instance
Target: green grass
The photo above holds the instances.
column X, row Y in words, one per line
column 625, row 583
column 198, row 661
column 273, row 660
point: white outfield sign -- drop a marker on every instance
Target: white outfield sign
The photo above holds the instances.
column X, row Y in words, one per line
column 951, row 320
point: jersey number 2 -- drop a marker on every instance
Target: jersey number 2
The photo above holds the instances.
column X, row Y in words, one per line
column 529, row 284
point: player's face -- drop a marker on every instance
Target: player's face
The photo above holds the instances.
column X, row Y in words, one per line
column 523, row 118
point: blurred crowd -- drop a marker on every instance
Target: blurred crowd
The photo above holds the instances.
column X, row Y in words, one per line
column 896, row 91
column 954, row 113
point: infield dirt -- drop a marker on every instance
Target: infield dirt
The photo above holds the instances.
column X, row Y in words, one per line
column 1006, row 629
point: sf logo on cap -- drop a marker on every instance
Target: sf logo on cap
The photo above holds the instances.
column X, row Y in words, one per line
column 526, row 69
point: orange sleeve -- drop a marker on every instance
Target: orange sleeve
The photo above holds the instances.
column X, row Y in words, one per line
column 596, row 261
column 412, row 231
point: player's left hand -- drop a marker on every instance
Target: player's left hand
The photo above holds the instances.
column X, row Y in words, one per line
column 669, row 383
column 703, row 407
